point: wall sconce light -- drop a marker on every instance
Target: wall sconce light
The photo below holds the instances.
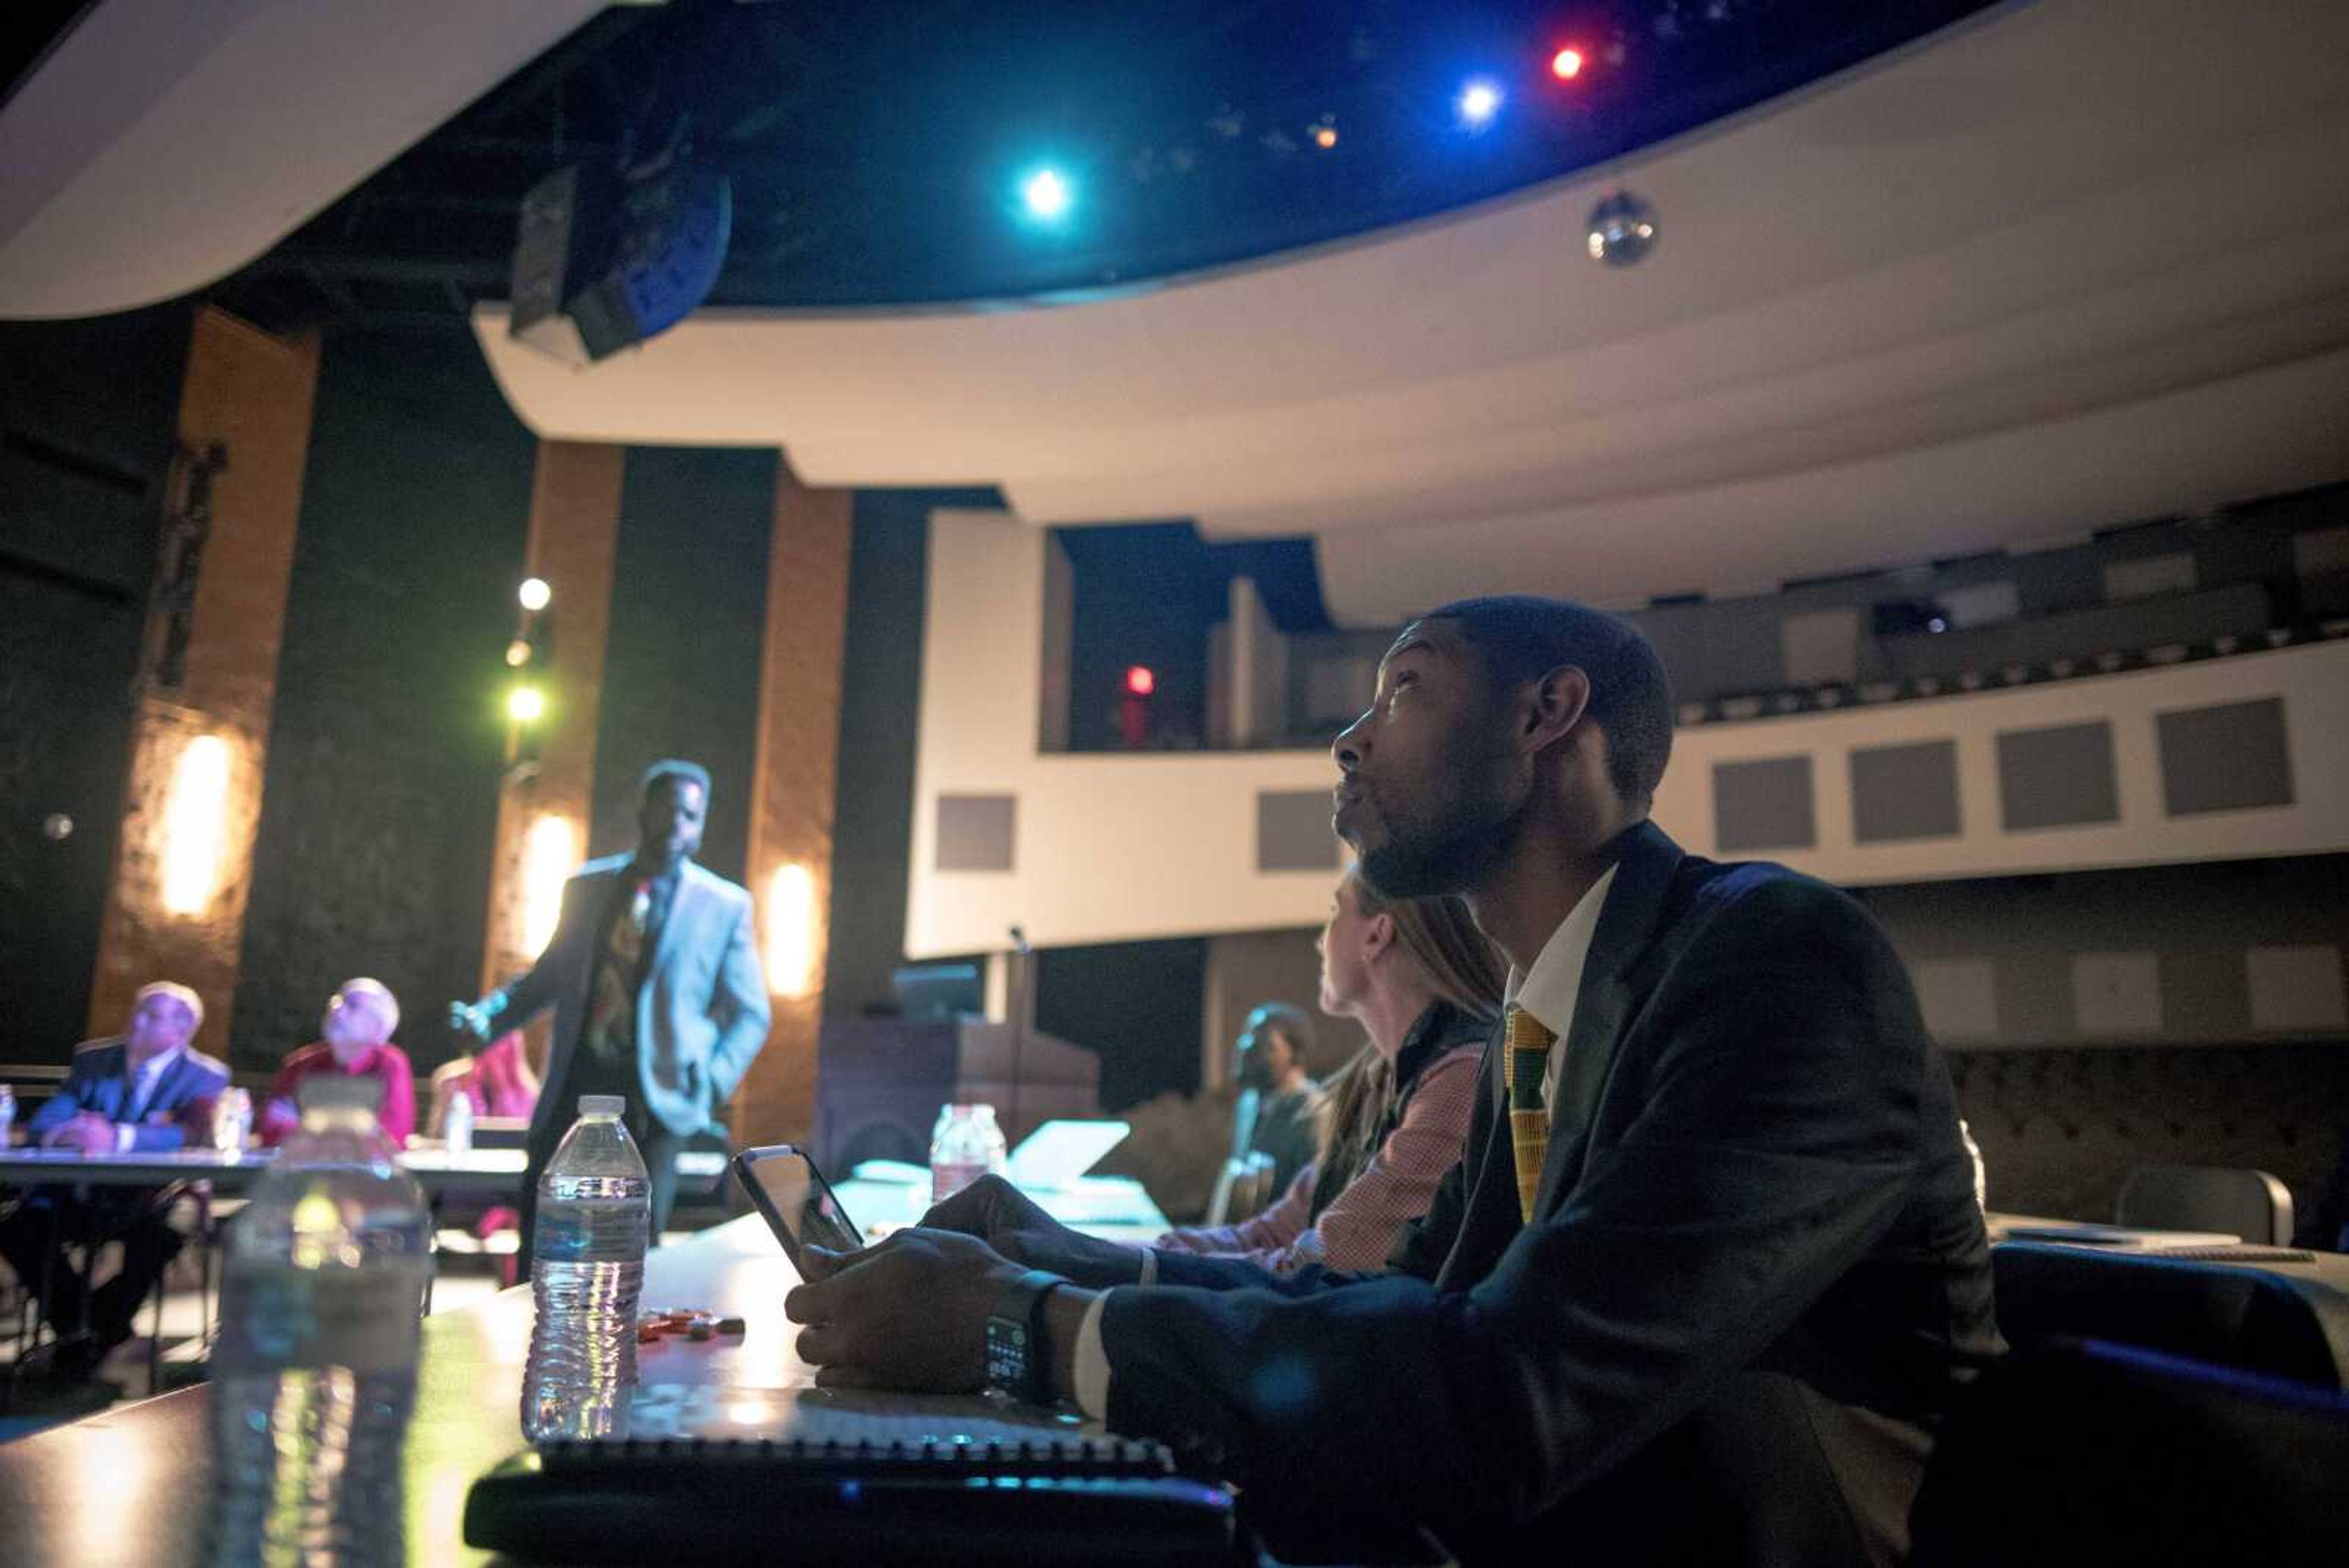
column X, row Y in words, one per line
column 792, row 936
column 195, row 825
column 550, row 853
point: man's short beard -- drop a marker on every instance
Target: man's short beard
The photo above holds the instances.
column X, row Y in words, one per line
column 1425, row 865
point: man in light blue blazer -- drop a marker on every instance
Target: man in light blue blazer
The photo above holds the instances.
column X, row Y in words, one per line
column 653, row 973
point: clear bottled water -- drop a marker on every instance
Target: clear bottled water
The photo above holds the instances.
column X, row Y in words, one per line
column 315, row 1373
column 588, row 1269
column 456, row 1134
column 964, row 1146
column 231, row 1122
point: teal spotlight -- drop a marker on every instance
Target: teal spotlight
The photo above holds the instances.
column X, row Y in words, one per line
column 1047, row 195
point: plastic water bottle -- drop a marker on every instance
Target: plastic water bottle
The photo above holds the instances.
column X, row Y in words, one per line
column 587, row 1269
column 7, row 1113
column 457, row 1136
column 315, row 1370
column 232, row 1123
column 964, row 1146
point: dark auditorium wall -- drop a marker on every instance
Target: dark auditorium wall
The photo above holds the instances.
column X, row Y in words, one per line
column 1134, row 1004
column 379, row 804
column 681, row 660
column 879, row 707
column 87, row 414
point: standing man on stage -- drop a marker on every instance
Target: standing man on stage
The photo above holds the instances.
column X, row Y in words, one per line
column 654, row 978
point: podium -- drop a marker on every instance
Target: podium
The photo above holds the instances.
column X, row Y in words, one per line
column 880, row 1083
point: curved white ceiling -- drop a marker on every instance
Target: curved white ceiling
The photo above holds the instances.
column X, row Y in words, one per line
column 165, row 143
column 2074, row 263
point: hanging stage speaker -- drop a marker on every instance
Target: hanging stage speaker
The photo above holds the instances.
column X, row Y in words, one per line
column 604, row 261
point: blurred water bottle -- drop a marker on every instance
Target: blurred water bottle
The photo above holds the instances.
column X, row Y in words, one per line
column 964, row 1146
column 457, row 1135
column 7, row 1114
column 231, row 1122
column 588, row 1269
column 315, row 1368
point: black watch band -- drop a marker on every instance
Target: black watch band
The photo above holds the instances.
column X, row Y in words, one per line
column 1016, row 1366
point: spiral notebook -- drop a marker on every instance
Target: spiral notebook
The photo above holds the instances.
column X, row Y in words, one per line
column 695, row 1473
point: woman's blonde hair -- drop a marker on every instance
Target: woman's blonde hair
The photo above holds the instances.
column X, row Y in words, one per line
column 1441, row 938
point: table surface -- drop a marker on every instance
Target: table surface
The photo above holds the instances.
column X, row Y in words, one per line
column 128, row 1485
column 490, row 1169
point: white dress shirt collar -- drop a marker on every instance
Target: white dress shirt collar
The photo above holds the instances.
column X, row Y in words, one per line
column 1548, row 990
column 151, row 1072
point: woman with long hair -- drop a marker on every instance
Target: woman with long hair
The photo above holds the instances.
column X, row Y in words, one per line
column 1424, row 984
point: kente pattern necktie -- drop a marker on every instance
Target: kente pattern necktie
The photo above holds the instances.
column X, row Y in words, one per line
column 1528, row 1045
column 612, row 1007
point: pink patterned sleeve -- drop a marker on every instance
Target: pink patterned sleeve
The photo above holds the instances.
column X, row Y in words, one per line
column 1275, row 1228
column 1359, row 1228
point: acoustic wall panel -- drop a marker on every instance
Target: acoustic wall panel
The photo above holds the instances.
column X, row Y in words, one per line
column 2297, row 990
column 1764, row 805
column 2321, row 552
column 2230, row 757
column 2150, row 576
column 975, row 832
column 1959, row 997
column 2061, row 776
column 1821, row 649
column 1292, row 831
column 1904, row 791
column 2116, row 994
column 1981, row 603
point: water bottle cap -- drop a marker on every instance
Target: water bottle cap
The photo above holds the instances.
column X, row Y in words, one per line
column 602, row 1104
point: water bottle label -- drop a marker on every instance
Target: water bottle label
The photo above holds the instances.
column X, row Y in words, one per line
column 275, row 1315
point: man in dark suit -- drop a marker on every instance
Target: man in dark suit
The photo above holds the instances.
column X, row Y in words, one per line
column 145, row 1090
column 1710, row 1270
column 653, row 973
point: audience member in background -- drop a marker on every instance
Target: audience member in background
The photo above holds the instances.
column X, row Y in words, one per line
column 501, row 1083
column 1423, row 982
column 145, row 1090
column 497, row 1078
column 356, row 1041
column 653, row 973
column 1710, row 1275
column 1275, row 1113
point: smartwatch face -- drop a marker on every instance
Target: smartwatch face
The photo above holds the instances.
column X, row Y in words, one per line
column 1007, row 1354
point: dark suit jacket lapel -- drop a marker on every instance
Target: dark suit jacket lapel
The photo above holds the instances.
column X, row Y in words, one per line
column 1627, row 925
column 112, row 1092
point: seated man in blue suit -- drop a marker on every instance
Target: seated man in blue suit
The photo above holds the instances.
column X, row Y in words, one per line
column 145, row 1090
column 1710, row 1271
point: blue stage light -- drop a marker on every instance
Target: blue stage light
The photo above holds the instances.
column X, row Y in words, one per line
column 1479, row 101
column 1047, row 194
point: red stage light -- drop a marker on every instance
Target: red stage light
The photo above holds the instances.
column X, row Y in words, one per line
column 1567, row 64
column 1140, row 681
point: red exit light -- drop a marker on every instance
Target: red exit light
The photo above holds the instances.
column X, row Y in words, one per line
column 1140, row 681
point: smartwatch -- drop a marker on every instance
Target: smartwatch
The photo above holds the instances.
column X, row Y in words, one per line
column 1016, row 1369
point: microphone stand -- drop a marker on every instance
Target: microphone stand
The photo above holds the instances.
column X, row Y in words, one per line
column 1024, row 973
